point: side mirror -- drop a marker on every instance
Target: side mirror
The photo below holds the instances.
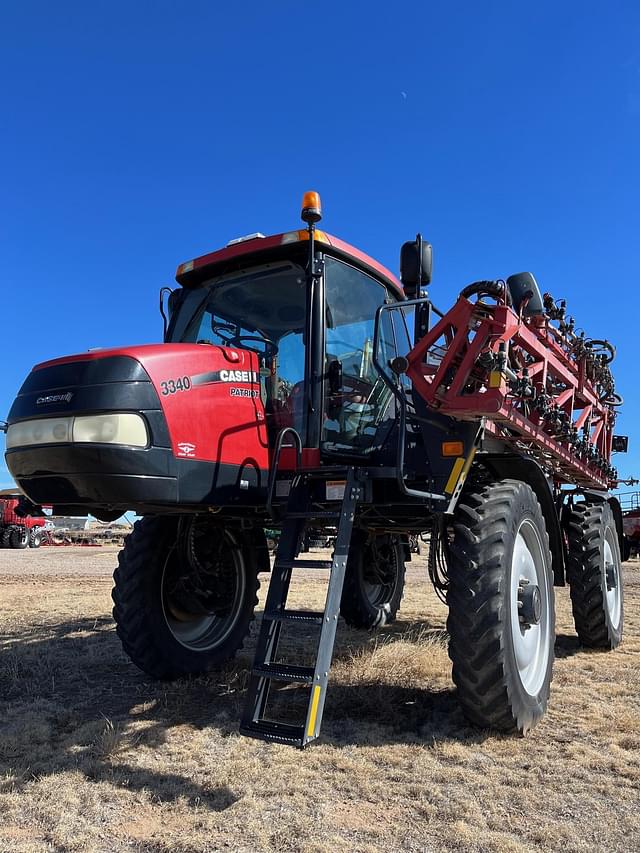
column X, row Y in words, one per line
column 416, row 261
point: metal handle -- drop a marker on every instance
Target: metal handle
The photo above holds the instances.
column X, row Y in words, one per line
column 273, row 473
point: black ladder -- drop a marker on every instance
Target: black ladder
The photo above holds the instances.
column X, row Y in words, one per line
column 266, row 669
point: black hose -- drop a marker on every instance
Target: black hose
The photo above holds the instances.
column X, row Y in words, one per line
column 495, row 289
column 595, row 342
column 612, row 400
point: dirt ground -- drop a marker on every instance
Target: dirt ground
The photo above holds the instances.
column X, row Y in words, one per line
column 96, row 757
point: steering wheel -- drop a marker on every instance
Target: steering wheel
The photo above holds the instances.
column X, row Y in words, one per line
column 234, row 340
column 354, row 392
column 354, row 386
column 270, row 347
column 218, row 328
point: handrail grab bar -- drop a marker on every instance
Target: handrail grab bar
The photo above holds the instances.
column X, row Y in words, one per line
column 399, row 394
column 273, row 473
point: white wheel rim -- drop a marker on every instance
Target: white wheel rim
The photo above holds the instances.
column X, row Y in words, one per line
column 531, row 644
column 612, row 573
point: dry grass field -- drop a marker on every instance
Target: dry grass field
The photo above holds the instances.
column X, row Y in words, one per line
column 95, row 757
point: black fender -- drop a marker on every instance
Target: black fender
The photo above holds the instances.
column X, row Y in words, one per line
column 523, row 468
column 614, row 503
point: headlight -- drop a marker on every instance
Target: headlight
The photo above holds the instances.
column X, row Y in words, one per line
column 122, row 428
column 45, row 431
column 111, row 429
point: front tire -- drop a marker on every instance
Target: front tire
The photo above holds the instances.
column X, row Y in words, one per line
column 374, row 581
column 501, row 608
column 185, row 593
column 594, row 573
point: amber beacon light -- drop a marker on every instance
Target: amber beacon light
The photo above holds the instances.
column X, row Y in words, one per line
column 311, row 208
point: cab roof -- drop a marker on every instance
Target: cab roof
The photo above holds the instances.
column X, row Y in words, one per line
column 193, row 274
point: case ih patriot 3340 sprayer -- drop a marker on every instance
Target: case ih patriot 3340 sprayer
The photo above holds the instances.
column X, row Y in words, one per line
column 302, row 385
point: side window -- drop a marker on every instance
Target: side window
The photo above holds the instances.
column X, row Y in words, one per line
column 358, row 403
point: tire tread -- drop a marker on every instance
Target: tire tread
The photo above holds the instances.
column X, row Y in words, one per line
column 584, row 524
column 146, row 543
column 476, row 621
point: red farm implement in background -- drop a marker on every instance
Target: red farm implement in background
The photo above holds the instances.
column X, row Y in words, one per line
column 630, row 502
column 17, row 531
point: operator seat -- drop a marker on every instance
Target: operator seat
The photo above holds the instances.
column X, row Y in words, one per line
column 284, row 413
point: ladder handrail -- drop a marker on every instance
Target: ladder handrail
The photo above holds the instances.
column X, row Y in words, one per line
column 273, row 473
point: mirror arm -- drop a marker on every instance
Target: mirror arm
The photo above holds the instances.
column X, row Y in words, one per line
column 165, row 319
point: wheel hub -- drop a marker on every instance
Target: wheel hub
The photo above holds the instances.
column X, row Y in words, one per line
column 380, row 572
column 202, row 585
column 529, row 603
column 612, row 578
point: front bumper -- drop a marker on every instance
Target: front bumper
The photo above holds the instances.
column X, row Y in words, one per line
column 146, row 480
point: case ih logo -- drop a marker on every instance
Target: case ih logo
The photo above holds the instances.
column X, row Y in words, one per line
column 55, row 398
column 185, row 448
column 226, row 376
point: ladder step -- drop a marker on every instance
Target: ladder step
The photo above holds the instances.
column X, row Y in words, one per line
column 312, row 616
column 303, row 564
column 276, row 732
column 256, row 720
column 324, row 472
column 284, row 672
column 314, row 514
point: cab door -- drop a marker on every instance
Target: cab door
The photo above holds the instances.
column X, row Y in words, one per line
column 359, row 408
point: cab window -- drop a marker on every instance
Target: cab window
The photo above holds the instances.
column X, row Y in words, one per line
column 262, row 309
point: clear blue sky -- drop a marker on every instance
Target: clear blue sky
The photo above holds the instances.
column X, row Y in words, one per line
column 138, row 135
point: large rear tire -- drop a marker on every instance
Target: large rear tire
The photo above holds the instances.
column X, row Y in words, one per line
column 501, row 607
column 19, row 538
column 185, row 593
column 374, row 580
column 594, row 573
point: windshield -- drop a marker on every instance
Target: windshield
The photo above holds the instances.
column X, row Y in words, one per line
column 262, row 309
